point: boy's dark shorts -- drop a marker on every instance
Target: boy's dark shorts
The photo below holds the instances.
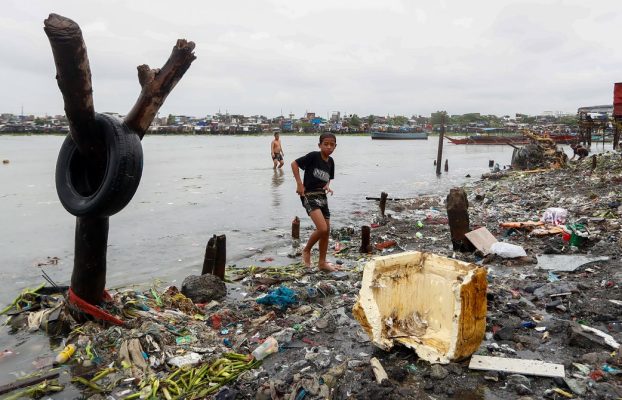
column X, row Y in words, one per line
column 277, row 157
column 316, row 200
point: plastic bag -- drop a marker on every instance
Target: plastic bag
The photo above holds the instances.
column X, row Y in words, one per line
column 507, row 250
column 555, row 215
column 269, row 346
column 281, row 296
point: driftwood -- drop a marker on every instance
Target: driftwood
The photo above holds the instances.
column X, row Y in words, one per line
column 73, row 75
column 28, row 382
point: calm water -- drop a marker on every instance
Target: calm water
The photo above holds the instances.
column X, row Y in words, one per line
column 193, row 187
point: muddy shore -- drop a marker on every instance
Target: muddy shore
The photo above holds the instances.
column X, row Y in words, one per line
column 534, row 307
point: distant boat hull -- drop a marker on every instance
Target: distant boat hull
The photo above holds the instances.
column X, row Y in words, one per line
column 399, row 135
column 490, row 139
column 513, row 139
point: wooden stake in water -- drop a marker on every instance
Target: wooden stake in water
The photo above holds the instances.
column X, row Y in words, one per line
column 383, row 202
column 365, row 239
column 441, row 136
column 296, row 228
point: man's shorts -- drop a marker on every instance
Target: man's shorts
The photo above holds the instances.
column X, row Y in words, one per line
column 278, row 157
column 316, row 200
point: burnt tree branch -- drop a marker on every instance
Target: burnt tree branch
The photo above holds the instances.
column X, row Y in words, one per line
column 157, row 84
column 73, row 74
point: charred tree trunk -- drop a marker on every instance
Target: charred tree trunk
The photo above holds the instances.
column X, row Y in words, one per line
column 458, row 217
column 88, row 279
column 73, row 75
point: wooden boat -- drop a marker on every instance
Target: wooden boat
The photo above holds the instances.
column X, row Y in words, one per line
column 489, row 139
column 511, row 139
column 399, row 135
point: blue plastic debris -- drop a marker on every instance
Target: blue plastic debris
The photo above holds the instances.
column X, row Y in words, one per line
column 281, row 296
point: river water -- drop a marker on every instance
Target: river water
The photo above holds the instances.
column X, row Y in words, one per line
column 193, row 187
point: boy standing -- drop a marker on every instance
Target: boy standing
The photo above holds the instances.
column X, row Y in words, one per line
column 277, row 151
column 319, row 169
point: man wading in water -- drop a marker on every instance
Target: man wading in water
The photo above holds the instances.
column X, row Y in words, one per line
column 277, row 151
column 319, row 169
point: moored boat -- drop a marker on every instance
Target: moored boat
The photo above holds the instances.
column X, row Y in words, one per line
column 489, row 139
column 511, row 139
column 399, row 135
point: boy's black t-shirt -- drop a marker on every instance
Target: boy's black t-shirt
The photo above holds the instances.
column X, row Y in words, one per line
column 317, row 171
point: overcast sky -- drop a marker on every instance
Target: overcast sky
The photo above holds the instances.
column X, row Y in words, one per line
column 383, row 57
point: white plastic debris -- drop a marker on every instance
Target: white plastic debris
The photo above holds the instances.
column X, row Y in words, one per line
column 507, row 250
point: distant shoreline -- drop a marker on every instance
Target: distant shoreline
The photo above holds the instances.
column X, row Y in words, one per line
column 435, row 134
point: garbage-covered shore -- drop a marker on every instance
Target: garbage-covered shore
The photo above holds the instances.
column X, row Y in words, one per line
column 561, row 303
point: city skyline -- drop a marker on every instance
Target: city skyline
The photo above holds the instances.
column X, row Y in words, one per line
column 364, row 57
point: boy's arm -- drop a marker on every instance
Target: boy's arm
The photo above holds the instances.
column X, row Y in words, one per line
column 300, row 189
column 327, row 188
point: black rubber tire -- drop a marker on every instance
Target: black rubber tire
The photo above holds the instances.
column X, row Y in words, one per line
column 100, row 192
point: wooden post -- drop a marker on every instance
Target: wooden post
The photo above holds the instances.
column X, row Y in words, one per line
column 458, row 218
column 491, row 163
column 73, row 75
column 221, row 256
column 446, row 165
column 215, row 258
column 383, row 202
column 296, row 228
column 439, row 155
column 210, row 256
column 365, row 239
column 594, row 162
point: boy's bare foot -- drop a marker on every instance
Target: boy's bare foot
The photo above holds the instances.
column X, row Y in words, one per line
column 328, row 267
column 306, row 258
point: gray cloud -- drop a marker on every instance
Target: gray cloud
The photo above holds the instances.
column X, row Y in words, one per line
column 362, row 56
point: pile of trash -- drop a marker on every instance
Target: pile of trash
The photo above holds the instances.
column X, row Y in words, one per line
column 550, row 243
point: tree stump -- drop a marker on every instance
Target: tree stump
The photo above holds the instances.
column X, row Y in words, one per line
column 458, row 218
column 73, row 75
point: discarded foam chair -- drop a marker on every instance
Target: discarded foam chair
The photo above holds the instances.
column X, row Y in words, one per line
column 432, row 304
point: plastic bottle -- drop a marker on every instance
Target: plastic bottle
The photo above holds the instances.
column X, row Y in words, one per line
column 66, row 354
column 269, row 346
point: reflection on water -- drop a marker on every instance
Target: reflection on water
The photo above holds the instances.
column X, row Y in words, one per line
column 277, row 180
